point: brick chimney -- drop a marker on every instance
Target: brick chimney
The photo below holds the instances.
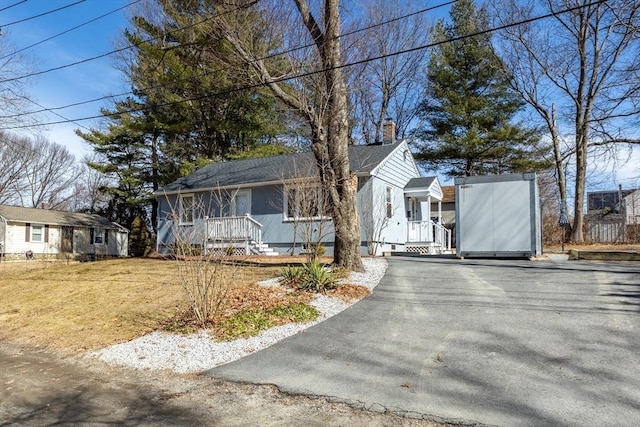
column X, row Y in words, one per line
column 388, row 131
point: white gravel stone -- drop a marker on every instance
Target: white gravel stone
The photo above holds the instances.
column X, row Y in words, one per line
column 199, row 352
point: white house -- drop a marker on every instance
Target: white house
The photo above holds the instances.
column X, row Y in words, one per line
column 253, row 204
column 47, row 233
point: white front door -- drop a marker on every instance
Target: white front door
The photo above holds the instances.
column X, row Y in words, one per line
column 241, row 203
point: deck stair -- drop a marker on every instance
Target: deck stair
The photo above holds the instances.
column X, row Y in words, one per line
column 238, row 235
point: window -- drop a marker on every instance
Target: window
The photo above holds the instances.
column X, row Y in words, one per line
column 389, row 203
column 305, row 203
column 98, row 237
column 36, row 233
column 186, row 209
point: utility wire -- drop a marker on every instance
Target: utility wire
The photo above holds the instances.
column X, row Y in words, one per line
column 273, row 55
column 43, row 14
column 12, row 5
column 310, row 73
column 69, row 30
column 82, row 61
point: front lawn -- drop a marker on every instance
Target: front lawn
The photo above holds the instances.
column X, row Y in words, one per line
column 87, row 306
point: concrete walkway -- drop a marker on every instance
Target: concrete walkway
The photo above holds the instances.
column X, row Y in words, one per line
column 499, row 342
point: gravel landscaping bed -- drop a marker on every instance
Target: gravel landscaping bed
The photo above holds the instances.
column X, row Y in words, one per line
column 198, row 352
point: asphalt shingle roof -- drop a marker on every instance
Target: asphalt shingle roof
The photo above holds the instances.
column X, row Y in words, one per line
column 423, row 182
column 362, row 159
column 53, row 217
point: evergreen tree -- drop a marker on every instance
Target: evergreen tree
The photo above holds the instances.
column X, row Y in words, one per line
column 139, row 238
column 469, row 108
column 186, row 111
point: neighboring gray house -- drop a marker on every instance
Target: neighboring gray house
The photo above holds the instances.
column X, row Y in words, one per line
column 253, row 205
column 46, row 233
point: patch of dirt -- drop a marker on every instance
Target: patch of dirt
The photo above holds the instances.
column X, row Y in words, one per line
column 349, row 292
column 38, row 387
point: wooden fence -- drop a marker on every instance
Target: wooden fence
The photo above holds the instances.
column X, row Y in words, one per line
column 612, row 228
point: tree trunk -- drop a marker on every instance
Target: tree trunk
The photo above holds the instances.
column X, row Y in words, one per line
column 577, row 234
column 559, row 163
column 581, row 117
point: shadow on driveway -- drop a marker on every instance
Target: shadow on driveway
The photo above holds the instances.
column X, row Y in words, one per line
column 490, row 341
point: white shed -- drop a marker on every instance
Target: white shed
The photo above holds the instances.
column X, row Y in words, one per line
column 498, row 216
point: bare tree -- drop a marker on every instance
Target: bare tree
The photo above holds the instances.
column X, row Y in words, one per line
column 14, row 100
column 15, row 155
column 580, row 72
column 49, row 177
column 89, row 193
column 320, row 98
column 391, row 86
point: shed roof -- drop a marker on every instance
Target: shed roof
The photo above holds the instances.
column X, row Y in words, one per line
column 362, row 160
column 53, row 217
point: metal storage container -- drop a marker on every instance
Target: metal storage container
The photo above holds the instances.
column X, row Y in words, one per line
column 498, row 216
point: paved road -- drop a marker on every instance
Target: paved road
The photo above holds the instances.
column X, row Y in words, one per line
column 497, row 342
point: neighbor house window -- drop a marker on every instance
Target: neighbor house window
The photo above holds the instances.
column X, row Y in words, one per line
column 305, row 203
column 186, row 209
column 98, row 237
column 389, row 203
column 37, row 233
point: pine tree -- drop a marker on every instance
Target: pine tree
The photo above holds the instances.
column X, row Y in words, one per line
column 469, row 109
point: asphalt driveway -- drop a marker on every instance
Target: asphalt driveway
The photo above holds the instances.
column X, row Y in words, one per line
column 498, row 342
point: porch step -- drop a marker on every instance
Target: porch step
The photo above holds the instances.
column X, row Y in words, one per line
column 263, row 249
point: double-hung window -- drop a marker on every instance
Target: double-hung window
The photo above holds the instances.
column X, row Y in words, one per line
column 388, row 197
column 37, row 233
column 305, row 203
column 98, row 236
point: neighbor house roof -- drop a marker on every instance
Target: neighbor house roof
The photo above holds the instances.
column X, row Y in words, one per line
column 362, row 160
column 53, row 217
column 448, row 193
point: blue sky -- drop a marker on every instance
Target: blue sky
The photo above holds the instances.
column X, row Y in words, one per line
column 78, row 83
column 97, row 78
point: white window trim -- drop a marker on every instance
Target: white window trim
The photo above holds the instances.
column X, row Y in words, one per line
column 288, row 218
column 41, row 227
column 98, row 232
column 388, row 202
column 181, row 209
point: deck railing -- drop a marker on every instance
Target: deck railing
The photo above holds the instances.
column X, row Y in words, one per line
column 429, row 232
column 234, row 228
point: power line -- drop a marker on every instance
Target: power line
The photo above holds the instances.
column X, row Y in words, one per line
column 82, row 61
column 70, row 29
column 43, row 14
column 273, row 55
column 314, row 72
column 12, row 5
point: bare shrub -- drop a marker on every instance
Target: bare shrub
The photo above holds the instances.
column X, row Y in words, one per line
column 205, row 274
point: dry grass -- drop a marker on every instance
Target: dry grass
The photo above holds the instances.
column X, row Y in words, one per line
column 79, row 307
column 594, row 247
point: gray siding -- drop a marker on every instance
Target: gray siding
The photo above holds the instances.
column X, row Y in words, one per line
column 267, row 206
